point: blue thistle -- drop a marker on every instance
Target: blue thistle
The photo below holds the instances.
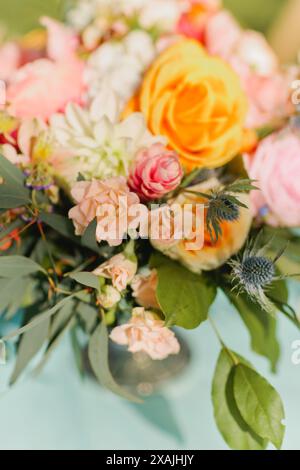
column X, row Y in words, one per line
column 257, row 271
column 254, row 272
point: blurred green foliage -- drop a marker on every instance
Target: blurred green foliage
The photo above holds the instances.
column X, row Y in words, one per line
column 20, row 16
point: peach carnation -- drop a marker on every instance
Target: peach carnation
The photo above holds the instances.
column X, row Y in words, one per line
column 146, row 332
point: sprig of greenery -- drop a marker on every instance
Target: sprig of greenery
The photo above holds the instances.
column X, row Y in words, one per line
column 223, row 205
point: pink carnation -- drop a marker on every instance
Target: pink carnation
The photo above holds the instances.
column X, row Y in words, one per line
column 119, row 269
column 144, row 289
column 146, row 332
column 276, row 167
column 40, row 88
column 156, row 172
column 109, row 202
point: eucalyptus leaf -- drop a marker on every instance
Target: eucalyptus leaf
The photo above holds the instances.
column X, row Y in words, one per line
column 235, row 431
column 12, row 198
column 11, row 173
column 89, row 237
column 98, row 356
column 87, row 279
column 18, row 266
column 60, row 319
column 40, row 318
column 259, row 404
column 77, row 350
column 54, row 344
column 60, row 224
column 30, row 343
column 87, row 315
column 184, row 297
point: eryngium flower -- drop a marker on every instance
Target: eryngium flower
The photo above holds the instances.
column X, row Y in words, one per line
column 254, row 273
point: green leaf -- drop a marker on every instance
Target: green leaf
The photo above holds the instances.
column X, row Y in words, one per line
column 235, row 431
column 17, row 266
column 87, row 315
column 60, row 224
column 261, row 326
column 259, row 404
column 7, row 292
column 184, row 297
column 77, row 350
column 12, row 197
column 98, row 356
column 89, row 237
column 30, row 343
column 87, row 279
column 11, row 173
column 60, row 320
column 40, row 318
column 53, row 345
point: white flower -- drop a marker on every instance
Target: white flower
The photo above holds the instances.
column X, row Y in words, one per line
column 101, row 146
column 109, row 297
column 120, row 65
column 163, row 14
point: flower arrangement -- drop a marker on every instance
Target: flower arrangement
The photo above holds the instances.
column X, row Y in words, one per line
column 150, row 155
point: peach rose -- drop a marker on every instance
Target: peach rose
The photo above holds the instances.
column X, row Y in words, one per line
column 213, row 254
column 94, row 199
column 119, row 269
column 146, row 332
column 197, row 102
column 144, row 289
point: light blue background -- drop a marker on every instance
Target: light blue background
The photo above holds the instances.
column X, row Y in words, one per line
column 59, row 411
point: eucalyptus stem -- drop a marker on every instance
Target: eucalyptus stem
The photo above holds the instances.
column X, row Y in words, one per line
column 232, row 356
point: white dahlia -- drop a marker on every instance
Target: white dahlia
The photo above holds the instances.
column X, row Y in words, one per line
column 101, row 146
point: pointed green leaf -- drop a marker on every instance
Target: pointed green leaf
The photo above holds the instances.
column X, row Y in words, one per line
column 30, row 343
column 235, row 431
column 12, row 197
column 89, row 237
column 17, row 266
column 40, row 318
column 184, row 297
column 60, row 224
column 259, row 404
column 98, row 356
column 11, row 173
column 87, row 279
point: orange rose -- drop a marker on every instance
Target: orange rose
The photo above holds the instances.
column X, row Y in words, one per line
column 197, row 102
column 212, row 255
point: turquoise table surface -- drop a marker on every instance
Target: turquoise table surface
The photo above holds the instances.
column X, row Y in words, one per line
column 59, row 411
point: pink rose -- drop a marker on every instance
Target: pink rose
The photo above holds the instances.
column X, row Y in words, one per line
column 146, row 332
column 119, row 269
column 156, row 172
column 144, row 289
column 276, row 167
column 109, row 202
column 40, row 88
